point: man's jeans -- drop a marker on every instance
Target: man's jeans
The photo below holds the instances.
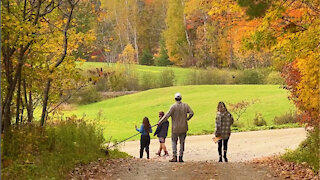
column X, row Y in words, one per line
column 182, row 138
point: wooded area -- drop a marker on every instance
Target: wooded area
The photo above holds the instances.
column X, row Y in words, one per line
column 42, row 40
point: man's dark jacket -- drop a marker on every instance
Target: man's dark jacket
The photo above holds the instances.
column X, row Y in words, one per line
column 162, row 130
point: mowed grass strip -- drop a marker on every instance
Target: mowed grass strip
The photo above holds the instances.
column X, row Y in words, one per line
column 118, row 116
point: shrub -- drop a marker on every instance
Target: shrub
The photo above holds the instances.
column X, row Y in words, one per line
column 211, row 76
column 148, row 81
column 85, row 95
column 166, row 78
column 31, row 152
column 274, row 78
column 88, row 95
column 258, row 120
column 308, row 151
column 249, row 77
column 117, row 81
column 102, row 84
column 237, row 124
column 289, row 117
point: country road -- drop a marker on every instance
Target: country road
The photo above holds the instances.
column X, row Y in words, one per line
column 243, row 146
column 200, row 159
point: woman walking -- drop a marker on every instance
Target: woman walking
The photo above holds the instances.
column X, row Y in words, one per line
column 224, row 120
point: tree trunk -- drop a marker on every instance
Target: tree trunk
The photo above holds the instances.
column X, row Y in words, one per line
column 45, row 102
column 19, row 69
column 136, row 44
column 28, row 103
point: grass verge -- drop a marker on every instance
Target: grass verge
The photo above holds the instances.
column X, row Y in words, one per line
column 307, row 152
column 31, row 152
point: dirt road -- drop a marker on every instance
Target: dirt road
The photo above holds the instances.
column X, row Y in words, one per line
column 136, row 169
column 243, row 146
column 201, row 159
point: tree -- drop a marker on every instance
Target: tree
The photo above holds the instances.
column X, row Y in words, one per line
column 175, row 34
column 36, row 47
column 146, row 58
column 162, row 59
column 128, row 55
column 291, row 30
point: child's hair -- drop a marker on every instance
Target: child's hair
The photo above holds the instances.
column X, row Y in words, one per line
column 146, row 124
column 161, row 114
column 221, row 106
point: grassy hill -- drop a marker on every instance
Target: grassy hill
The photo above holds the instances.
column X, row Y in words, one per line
column 118, row 116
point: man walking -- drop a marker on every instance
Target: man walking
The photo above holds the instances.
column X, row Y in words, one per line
column 179, row 115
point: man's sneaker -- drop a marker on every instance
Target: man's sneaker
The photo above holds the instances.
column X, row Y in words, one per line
column 174, row 159
column 180, row 159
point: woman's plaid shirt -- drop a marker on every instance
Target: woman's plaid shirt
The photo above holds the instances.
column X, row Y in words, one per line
column 224, row 120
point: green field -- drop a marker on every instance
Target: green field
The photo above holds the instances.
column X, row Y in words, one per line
column 118, row 116
column 181, row 74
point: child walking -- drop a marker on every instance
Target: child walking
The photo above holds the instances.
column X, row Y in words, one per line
column 145, row 129
column 162, row 132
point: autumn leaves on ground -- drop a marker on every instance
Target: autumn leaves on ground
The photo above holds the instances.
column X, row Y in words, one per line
column 152, row 44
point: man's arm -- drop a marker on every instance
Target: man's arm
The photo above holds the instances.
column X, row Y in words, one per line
column 166, row 116
column 190, row 112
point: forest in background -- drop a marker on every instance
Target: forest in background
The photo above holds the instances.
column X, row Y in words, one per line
column 41, row 42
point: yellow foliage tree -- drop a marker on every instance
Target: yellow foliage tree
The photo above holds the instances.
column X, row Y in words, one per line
column 128, row 55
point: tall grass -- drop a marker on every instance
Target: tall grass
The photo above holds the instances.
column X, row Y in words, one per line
column 190, row 76
column 31, row 152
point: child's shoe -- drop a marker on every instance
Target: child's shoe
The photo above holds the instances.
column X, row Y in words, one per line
column 166, row 153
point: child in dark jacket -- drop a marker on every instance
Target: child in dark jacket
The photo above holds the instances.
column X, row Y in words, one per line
column 145, row 129
column 162, row 132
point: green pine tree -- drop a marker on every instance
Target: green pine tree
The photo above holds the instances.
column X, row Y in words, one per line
column 146, row 58
column 163, row 58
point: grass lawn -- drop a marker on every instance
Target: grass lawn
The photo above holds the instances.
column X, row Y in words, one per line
column 181, row 74
column 118, row 116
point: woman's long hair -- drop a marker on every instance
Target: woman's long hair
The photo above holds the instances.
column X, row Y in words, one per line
column 222, row 107
column 146, row 124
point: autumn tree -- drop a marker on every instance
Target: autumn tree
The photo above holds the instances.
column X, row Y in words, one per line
column 176, row 36
column 37, row 41
column 290, row 29
column 128, row 55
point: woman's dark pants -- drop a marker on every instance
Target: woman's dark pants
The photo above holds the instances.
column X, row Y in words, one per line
column 144, row 144
column 225, row 146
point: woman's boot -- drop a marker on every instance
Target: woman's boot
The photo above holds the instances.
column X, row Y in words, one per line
column 220, row 158
column 225, row 155
column 147, row 153
column 141, row 153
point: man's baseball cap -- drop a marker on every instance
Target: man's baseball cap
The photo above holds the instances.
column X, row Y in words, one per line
column 177, row 96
